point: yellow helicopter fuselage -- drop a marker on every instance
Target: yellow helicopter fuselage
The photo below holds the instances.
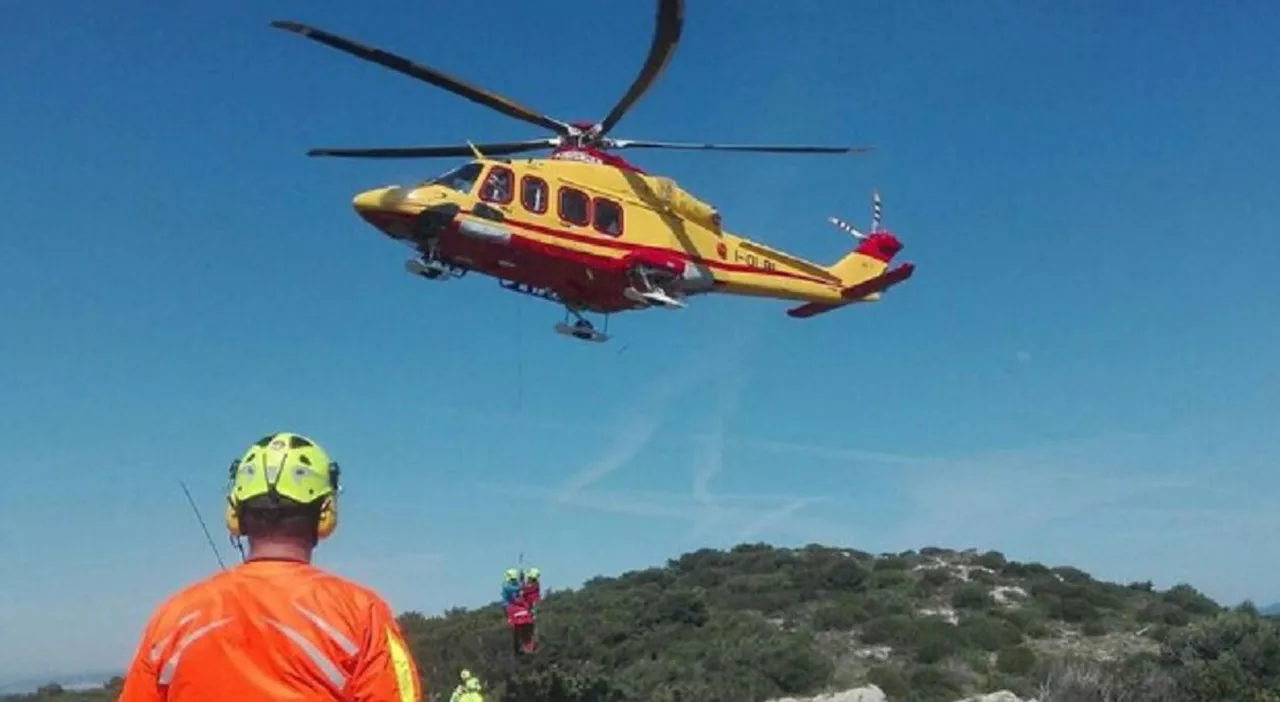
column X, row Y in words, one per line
column 579, row 228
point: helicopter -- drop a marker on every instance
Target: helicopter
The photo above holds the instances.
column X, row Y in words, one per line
column 585, row 228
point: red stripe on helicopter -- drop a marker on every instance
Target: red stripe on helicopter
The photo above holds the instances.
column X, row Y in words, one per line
column 596, row 240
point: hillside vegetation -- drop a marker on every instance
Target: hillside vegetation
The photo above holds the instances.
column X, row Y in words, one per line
column 758, row 623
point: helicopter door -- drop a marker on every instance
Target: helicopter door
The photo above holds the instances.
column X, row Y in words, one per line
column 499, row 188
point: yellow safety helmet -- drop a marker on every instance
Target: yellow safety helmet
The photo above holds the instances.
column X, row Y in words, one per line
column 285, row 465
column 473, row 684
column 465, row 675
column 533, row 573
column 512, row 575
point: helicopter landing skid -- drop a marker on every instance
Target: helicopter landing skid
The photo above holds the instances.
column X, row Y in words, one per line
column 582, row 328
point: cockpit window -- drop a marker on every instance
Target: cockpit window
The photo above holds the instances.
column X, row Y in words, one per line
column 500, row 186
column 463, row 178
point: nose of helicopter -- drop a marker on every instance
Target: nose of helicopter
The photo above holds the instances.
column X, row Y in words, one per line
column 379, row 208
column 370, row 200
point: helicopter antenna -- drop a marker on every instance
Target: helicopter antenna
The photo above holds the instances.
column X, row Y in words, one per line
column 474, row 150
column 203, row 527
column 875, row 210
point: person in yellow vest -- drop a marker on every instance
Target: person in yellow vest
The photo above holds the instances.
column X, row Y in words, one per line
column 463, row 678
column 472, row 693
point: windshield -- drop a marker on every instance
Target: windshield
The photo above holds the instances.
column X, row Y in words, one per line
column 462, row 178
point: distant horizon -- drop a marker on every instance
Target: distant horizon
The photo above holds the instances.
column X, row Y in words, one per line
column 26, row 683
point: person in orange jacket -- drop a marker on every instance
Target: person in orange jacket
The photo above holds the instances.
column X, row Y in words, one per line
column 275, row 627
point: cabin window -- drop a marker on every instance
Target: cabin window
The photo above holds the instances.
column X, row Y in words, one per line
column 463, row 178
column 533, row 194
column 575, row 207
column 608, row 217
column 499, row 187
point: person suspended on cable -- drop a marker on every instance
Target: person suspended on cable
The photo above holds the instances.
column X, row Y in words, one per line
column 275, row 626
column 512, row 586
column 531, row 590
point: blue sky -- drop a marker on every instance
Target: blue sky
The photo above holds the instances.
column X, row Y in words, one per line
column 1081, row 371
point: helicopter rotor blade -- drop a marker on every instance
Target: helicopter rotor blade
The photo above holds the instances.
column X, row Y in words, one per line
column 496, row 149
column 424, row 73
column 761, row 148
column 666, row 36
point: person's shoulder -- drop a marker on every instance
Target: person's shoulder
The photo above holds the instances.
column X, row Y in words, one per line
column 354, row 593
column 187, row 601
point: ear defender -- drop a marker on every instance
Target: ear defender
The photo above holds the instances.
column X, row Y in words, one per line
column 232, row 518
column 328, row 521
column 329, row 508
column 232, row 514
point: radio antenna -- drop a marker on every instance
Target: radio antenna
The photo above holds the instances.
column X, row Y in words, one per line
column 204, row 528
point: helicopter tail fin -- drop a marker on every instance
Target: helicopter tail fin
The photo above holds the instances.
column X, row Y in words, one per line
column 870, row 259
column 864, row 272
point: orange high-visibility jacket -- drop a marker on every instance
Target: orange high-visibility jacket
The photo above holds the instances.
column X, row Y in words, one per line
column 273, row 631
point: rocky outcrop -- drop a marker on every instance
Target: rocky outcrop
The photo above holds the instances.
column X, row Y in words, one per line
column 867, row 693
column 871, row 693
column 1001, row 696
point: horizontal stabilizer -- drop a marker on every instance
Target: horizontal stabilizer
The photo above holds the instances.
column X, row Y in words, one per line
column 880, row 283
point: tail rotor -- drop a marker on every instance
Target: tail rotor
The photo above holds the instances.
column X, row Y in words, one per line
column 875, row 220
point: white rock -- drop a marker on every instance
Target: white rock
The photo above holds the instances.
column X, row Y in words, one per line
column 867, row 693
column 1004, row 594
column 1001, row 696
column 879, row 653
column 946, row 613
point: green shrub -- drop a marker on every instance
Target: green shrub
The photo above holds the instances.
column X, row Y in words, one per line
column 841, row 615
column 988, row 633
column 1190, row 600
column 894, row 630
column 891, row 681
column 1015, row 660
column 936, row 576
column 934, row 684
column 991, row 559
column 892, row 563
column 1231, row 657
column 982, row 576
column 1162, row 612
column 933, row 639
column 972, row 596
column 843, row 574
column 889, row 579
column 1075, row 610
